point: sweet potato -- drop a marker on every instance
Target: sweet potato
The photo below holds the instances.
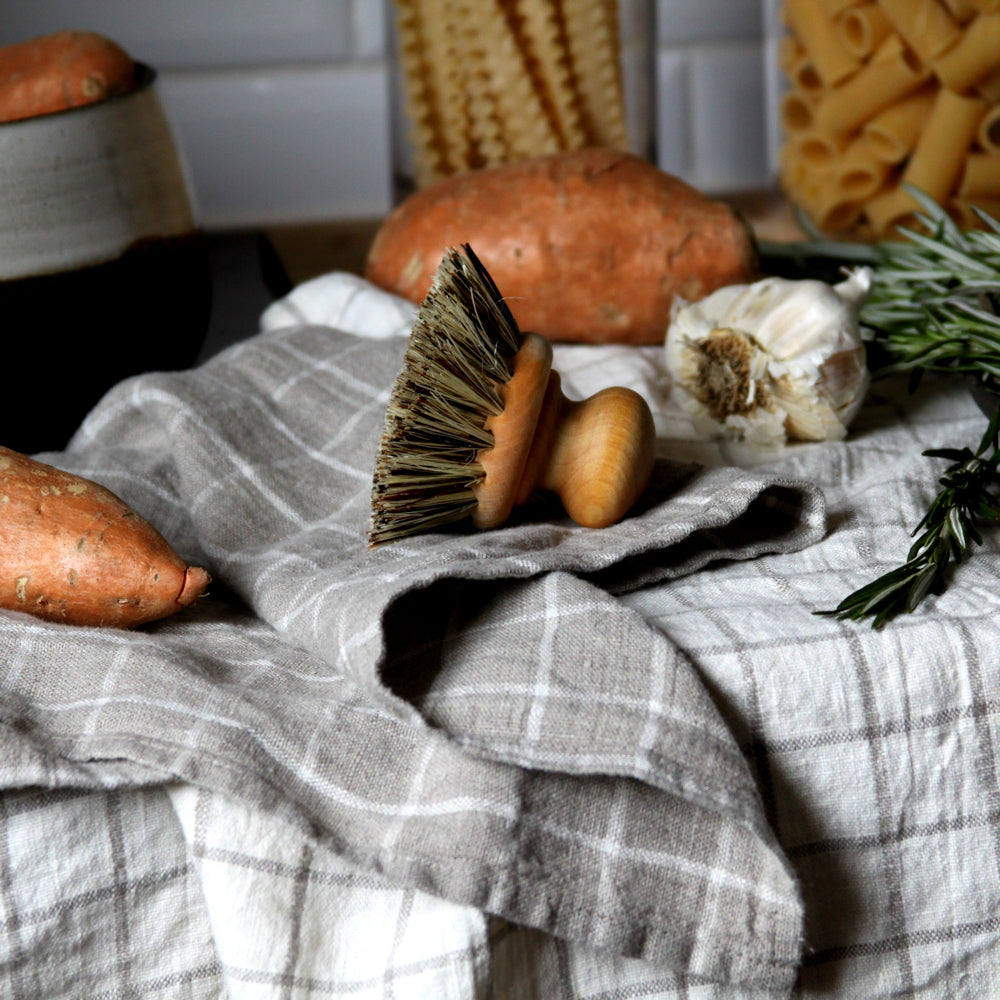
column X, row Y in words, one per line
column 59, row 71
column 74, row 552
column 589, row 246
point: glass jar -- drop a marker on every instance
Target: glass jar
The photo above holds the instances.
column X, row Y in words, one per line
column 443, row 66
column 870, row 98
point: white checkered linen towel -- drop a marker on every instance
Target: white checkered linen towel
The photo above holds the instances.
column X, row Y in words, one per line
column 292, row 918
column 477, row 717
column 99, row 898
column 875, row 750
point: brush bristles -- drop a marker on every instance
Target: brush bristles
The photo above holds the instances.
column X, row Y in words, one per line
column 457, row 360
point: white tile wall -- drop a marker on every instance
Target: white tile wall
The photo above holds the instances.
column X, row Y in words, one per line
column 711, row 93
column 282, row 107
column 727, row 147
column 774, row 81
column 180, row 34
column 674, row 126
column 684, row 22
column 283, row 144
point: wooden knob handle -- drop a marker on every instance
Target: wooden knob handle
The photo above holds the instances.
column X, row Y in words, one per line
column 596, row 455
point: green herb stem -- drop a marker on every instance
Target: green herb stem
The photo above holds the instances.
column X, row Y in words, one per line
column 934, row 306
column 948, row 532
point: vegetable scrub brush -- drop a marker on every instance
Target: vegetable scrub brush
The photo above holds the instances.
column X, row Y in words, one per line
column 477, row 422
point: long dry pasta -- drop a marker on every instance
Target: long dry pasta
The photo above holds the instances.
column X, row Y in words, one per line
column 921, row 107
column 593, row 43
column 490, row 81
column 423, row 101
column 544, row 33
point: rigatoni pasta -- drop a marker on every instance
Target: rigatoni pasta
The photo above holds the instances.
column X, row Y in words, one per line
column 920, row 106
column 936, row 164
column 989, row 130
column 797, row 110
column 891, row 74
column 961, row 10
column 889, row 209
column 980, row 177
column 815, row 28
column 965, row 212
column 926, row 26
column 821, row 150
column 797, row 66
column 859, row 173
column 834, row 7
column 893, row 132
column 989, row 86
column 862, row 29
column 974, row 56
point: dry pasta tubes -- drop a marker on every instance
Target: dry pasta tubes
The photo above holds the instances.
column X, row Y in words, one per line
column 887, row 93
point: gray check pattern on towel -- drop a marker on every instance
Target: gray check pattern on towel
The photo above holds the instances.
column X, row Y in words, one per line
column 478, row 717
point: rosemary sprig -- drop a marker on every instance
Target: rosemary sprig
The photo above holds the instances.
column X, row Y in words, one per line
column 934, row 306
column 948, row 531
column 935, row 298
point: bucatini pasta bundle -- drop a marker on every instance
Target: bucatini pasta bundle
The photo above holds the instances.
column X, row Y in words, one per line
column 488, row 82
column 887, row 93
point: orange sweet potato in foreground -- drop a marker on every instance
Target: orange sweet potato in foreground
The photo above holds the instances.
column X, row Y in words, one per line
column 589, row 246
column 63, row 70
column 72, row 551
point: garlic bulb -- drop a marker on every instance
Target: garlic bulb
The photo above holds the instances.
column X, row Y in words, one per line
column 773, row 361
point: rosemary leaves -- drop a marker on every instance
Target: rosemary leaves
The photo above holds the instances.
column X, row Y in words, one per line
column 945, row 536
column 934, row 306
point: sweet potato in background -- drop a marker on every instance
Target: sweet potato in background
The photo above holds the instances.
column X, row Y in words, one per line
column 74, row 552
column 63, row 70
column 590, row 246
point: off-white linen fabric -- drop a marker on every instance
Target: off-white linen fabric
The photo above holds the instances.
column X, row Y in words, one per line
column 542, row 761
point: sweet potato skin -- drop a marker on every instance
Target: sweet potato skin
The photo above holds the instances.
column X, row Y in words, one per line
column 62, row 70
column 590, row 246
column 72, row 551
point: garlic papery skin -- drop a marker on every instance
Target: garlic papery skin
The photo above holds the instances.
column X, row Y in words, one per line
column 774, row 361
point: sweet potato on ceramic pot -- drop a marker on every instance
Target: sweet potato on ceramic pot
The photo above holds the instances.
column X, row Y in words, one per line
column 63, row 70
column 589, row 246
column 74, row 552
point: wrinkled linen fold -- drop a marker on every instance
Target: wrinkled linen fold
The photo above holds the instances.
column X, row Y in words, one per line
column 477, row 717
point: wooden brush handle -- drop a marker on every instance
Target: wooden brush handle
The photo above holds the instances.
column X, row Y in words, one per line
column 595, row 454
